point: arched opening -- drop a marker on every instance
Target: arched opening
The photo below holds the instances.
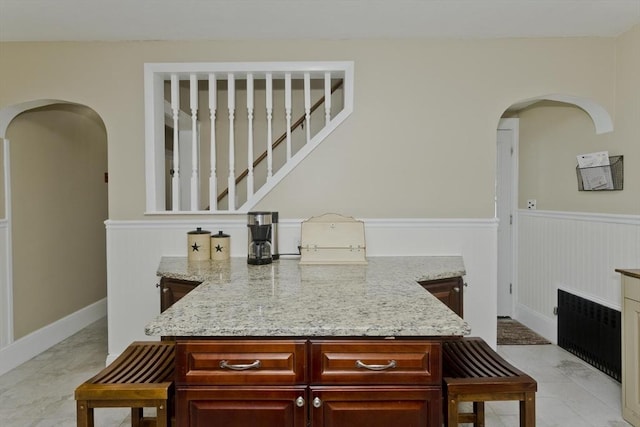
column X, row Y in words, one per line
column 54, row 204
column 570, row 118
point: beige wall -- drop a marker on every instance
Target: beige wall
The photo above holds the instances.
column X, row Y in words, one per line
column 59, row 204
column 552, row 134
column 421, row 140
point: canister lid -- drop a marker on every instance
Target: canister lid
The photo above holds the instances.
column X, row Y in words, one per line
column 220, row 234
column 199, row 230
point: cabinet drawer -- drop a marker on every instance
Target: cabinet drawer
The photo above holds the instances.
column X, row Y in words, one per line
column 241, row 362
column 375, row 362
column 631, row 288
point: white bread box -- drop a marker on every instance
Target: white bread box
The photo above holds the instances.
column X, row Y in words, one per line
column 332, row 239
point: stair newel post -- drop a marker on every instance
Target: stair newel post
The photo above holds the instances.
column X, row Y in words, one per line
column 175, row 109
column 213, row 181
column 231, row 104
column 307, row 105
column 287, row 110
column 250, row 135
column 269, row 105
column 327, row 98
column 195, row 153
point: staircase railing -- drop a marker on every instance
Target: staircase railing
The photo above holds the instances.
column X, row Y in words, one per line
column 189, row 150
column 298, row 123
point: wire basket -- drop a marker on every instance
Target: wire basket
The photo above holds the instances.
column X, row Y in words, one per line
column 602, row 178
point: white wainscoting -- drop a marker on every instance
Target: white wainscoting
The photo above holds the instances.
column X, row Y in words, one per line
column 6, row 327
column 576, row 252
column 134, row 249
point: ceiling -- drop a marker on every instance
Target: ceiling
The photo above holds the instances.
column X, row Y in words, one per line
column 116, row 20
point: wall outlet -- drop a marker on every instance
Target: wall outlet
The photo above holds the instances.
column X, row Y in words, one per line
column 531, row 204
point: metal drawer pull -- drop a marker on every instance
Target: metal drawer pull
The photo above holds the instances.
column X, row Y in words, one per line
column 225, row 364
column 300, row 402
column 317, row 402
column 390, row 365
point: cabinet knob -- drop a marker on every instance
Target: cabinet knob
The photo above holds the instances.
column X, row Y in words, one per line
column 317, row 402
column 300, row 402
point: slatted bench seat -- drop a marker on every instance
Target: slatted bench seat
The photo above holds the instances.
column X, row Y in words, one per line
column 473, row 372
column 141, row 377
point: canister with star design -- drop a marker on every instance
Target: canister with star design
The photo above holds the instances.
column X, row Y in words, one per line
column 220, row 246
column 199, row 245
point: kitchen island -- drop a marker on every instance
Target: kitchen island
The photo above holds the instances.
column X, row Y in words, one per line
column 319, row 345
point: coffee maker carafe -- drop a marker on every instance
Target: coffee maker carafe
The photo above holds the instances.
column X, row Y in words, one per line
column 259, row 225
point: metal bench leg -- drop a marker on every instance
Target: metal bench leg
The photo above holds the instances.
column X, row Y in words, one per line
column 528, row 410
column 84, row 414
column 478, row 411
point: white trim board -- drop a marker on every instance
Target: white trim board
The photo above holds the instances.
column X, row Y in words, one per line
column 29, row 346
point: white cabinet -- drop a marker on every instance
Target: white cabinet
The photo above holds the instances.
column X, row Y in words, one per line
column 631, row 346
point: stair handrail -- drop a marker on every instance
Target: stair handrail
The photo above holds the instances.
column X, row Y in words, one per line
column 282, row 137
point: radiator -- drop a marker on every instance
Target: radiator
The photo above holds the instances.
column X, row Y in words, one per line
column 590, row 331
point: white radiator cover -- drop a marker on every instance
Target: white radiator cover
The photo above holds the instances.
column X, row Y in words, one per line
column 576, row 252
column 134, row 249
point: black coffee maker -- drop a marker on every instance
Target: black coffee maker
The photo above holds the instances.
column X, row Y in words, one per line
column 260, row 229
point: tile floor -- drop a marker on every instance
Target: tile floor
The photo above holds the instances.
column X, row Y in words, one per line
column 39, row 393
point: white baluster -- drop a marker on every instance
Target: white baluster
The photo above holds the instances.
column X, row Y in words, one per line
column 213, row 181
column 287, row 110
column 327, row 98
column 195, row 153
column 269, row 102
column 250, row 135
column 175, row 109
column 307, row 105
column 231, row 103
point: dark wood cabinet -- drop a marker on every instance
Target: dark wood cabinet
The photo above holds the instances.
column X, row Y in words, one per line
column 315, row 383
column 375, row 406
column 242, row 407
column 449, row 291
column 171, row 290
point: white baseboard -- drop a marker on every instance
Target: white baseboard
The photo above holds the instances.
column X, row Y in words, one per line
column 36, row 342
column 542, row 325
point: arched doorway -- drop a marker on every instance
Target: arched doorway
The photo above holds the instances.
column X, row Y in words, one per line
column 507, row 186
column 54, row 205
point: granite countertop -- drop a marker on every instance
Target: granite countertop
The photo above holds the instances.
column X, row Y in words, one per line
column 286, row 299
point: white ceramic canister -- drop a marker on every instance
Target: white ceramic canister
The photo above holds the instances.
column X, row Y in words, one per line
column 220, row 246
column 199, row 245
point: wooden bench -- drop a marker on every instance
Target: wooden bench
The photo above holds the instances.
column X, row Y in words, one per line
column 141, row 377
column 473, row 372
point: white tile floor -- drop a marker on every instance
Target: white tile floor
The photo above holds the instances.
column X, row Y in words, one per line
column 39, row 393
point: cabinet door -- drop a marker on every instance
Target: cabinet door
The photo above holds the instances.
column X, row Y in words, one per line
column 171, row 290
column 241, row 407
column 376, row 406
column 449, row 291
column 631, row 355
